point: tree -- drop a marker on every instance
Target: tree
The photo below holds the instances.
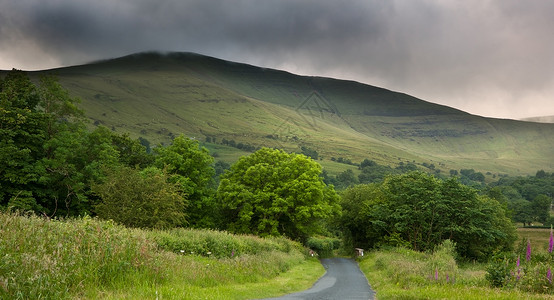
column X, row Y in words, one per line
column 274, row 193
column 346, row 179
column 364, row 217
column 143, row 199
column 191, row 167
column 309, row 152
column 22, row 135
column 541, row 208
column 420, row 211
column 47, row 156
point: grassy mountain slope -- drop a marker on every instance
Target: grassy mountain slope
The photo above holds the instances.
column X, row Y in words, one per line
column 159, row 96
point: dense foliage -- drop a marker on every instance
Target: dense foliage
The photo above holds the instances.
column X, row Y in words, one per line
column 527, row 198
column 50, row 162
column 419, row 211
column 143, row 199
column 271, row 192
column 190, row 166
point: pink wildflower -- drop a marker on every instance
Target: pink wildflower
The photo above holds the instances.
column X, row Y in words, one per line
column 549, row 275
column 436, row 274
column 528, row 254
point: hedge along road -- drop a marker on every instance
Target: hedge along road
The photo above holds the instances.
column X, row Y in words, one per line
column 343, row 280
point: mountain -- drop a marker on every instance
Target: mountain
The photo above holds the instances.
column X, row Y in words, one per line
column 158, row 96
column 541, row 119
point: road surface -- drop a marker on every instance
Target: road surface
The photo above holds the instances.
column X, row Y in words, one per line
column 343, row 280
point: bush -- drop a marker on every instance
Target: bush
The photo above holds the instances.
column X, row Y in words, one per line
column 324, row 246
column 142, row 199
column 220, row 244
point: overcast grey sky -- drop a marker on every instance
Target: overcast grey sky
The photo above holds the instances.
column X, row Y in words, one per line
column 492, row 58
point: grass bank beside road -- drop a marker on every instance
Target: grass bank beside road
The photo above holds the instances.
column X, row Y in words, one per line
column 90, row 259
column 407, row 274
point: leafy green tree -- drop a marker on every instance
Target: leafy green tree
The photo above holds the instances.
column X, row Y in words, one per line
column 375, row 173
column 421, row 211
column 309, row 152
column 66, row 166
column 274, row 193
column 22, row 135
column 346, row 179
column 143, row 199
column 522, row 211
column 541, row 208
column 132, row 152
column 525, row 196
column 48, row 157
column 190, row 166
column 364, row 217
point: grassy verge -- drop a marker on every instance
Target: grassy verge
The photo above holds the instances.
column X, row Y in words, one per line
column 91, row 259
column 406, row 274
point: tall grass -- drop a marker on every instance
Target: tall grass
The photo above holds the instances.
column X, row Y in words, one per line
column 88, row 258
column 46, row 259
column 406, row 274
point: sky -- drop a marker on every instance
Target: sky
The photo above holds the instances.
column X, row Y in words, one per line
column 492, row 58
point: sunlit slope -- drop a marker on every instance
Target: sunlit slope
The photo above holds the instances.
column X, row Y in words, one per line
column 160, row 104
column 160, row 96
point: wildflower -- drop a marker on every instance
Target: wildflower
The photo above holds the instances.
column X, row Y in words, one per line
column 518, row 268
column 528, row 254
column 182, row 251
column 549, row 275
column 233, row 253
column 551, row 242
column 447, row 278
column 436, row 274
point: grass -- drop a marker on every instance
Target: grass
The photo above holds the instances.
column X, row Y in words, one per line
column 538, row 237
column 90, row 259
column 406, row 274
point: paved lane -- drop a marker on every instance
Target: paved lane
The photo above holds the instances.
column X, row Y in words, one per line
column 343, row 280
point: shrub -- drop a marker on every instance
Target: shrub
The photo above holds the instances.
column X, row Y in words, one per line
column 324, row 246
column 142, row 199
column 220, row 244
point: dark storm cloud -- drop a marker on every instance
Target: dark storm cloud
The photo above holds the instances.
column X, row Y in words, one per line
column 486, row 57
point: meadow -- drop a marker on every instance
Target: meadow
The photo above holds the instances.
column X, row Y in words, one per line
column 86, row 258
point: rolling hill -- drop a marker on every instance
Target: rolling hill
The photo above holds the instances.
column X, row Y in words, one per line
column 158, row 96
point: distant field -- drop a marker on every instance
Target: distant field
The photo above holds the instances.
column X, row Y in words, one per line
column 538, row 237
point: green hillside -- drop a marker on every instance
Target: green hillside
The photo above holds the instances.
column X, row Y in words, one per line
column 160, row 96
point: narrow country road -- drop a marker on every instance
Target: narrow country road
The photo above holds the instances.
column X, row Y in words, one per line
column 343, row 280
